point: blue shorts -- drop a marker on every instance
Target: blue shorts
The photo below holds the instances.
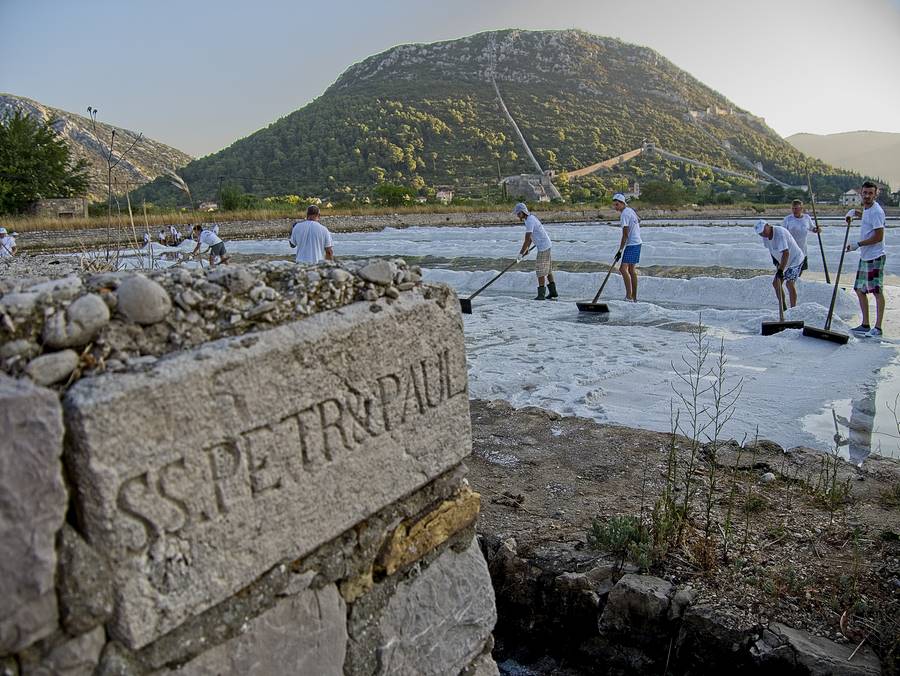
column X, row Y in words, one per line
column 632, row 254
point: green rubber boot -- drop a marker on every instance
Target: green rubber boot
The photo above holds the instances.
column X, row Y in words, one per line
column 541, row 292
column 551, row 287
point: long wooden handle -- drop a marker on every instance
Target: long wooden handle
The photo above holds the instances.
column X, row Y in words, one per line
column 837, row 278
column 499, row 274
column 812, row 201
column 608, row 273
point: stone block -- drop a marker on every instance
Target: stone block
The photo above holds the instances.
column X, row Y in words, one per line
column 782, row 648
column 438, row 621
column 84, row 584
column 637, row 604
column 199, row 474
column 73, row 657
column 410, row 542
column 33, row 503
column 303, row 634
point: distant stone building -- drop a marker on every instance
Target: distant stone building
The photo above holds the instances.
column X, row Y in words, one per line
column 851, row 198
column 62, row 207
column 531, row 187
column 444, row 195
column 208, row 206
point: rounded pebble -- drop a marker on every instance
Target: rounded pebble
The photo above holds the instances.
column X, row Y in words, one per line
column 142, row 300
column 78, row 324
column 53, row 367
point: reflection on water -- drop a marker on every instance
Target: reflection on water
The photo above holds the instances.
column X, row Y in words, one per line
column 867, row 422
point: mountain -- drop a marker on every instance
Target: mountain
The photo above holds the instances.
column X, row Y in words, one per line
column 144, row 163
column 876, row 153
column 429, row 114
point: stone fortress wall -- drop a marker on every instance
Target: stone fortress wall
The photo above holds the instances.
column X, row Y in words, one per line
column 246, row 470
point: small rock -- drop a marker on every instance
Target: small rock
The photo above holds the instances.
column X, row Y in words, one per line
column 262, row 292
column 260, row 310
column 187, row 299
column 78, row 324
column 379, row 272
column 83, row 584
column 18, row 348
column 66, row 288
column 233, row 278
column 53, row 367
column 143, row 301
column 392, row 292
column 768, row 477
column 339, row 276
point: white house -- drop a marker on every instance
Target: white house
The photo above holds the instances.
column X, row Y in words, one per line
column 851, row 198
column 444, row 195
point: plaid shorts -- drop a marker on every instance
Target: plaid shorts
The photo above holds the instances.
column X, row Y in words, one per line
column 542, row 264
column 870, row 276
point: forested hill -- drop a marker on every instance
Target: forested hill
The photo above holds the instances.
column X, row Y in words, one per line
column 145, row 162
column 426, row 115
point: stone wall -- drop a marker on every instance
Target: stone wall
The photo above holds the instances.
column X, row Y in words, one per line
column 246, row 470
column 60, row 207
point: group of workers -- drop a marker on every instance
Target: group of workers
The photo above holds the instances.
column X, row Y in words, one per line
column 786, row 244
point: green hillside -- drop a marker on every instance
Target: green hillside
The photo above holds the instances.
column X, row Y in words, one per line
column 428, row 115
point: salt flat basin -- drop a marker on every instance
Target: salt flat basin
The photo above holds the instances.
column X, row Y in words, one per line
column 618, row 368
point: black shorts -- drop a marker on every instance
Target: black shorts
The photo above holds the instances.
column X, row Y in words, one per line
column 217, row 249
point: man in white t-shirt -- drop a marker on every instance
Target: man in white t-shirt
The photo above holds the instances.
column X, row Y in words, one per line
column 7, row 244
column 213, row 241
column 870, row 275
column 783, row 249
column 312, row 239
column 537, row 235
column 799, row 224
column 629, row 245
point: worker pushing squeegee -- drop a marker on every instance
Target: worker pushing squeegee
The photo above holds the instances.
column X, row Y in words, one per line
column 536, row 234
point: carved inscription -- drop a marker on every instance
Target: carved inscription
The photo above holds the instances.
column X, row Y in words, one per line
column 203, row 486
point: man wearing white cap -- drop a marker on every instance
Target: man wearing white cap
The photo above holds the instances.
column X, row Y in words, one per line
column 629, row 246
column 784, row 250
column 7, row 244
column 536, row 234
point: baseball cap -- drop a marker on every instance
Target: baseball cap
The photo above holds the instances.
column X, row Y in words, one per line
column 759, row 226
column 3, row 231
column 619, row 197
column 520, row 208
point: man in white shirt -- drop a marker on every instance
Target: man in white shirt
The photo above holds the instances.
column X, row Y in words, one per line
column 312, row 239
column 870, row 275
column 799, row 224
column 175, row 235
column 213, row 241
column 537, row 235
column 7, row 244
column 629, row 245
column 783, row 249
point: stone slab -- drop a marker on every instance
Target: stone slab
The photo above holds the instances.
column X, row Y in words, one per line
column 33, row 503
column 438, row 621
column 74, row 657
column 200, row 474
column 303, row 635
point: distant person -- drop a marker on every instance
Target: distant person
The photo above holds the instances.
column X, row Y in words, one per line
column 175, row 235
column 799, row 224
column 7, row 244
column 536, row 234
column 870, row 275
column 312, row 239
column 146, row 240
column 162, row 237
column 784, row 249
column 629, row 245
column 213, row 241
column 213, row 228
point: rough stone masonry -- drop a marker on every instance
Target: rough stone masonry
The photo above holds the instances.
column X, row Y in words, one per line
column 246, row 490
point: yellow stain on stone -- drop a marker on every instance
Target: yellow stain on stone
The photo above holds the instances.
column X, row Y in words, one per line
column 410, row 542
column 354, row 587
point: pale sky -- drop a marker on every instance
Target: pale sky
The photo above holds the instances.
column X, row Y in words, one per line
column 199, row 74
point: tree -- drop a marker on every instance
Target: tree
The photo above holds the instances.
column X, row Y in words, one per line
column 35, row 163
column 391, row 195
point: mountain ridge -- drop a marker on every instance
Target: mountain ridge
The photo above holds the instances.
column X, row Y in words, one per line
column 872, row 152
column 427, row 114
column 143, row 164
